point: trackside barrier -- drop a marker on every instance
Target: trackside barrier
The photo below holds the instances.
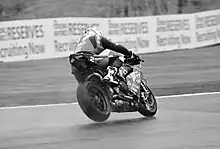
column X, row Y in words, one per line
column 57, row 37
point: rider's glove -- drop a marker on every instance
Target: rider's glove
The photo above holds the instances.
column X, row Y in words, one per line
column 70, row 58
column 133, row 55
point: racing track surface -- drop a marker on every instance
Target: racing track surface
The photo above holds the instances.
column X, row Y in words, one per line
column 50, row 81
column 181, row 123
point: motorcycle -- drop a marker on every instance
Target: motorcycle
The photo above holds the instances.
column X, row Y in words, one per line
column 98, row 98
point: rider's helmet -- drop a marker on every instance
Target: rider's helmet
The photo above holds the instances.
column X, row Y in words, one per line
column 94, row 31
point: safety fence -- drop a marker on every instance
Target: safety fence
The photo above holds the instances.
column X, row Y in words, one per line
column 56, row 37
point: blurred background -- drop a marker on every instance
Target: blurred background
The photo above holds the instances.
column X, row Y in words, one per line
column 33, row 9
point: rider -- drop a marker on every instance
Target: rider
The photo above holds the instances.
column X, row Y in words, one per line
column 94, row 42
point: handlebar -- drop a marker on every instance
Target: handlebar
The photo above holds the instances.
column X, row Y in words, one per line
column 134, row 61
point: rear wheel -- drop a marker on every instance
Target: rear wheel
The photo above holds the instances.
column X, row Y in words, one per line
column 148, row 106
column 94, row 101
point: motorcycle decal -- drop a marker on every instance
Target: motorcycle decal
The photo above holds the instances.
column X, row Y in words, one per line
column 133, row 81
column 122, row 71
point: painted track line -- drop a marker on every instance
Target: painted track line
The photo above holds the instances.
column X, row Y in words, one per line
column 188, row 95
column 75, row 103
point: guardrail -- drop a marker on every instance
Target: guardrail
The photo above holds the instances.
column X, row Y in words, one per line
column 57, row 37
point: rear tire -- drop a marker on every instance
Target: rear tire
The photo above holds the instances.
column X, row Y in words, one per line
column 148, row 106
column 94, row 101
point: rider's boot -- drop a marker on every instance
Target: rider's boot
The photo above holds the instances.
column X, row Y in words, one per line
column 111, row 78
column 111, row 75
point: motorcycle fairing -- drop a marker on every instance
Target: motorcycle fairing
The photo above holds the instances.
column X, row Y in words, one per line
column 134, row 80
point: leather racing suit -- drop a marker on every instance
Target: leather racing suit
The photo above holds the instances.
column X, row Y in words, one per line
column 96, row 44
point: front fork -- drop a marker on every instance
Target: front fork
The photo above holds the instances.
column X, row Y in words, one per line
column 146, row 92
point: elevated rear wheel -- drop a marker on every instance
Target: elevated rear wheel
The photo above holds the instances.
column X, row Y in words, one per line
column 94, row 101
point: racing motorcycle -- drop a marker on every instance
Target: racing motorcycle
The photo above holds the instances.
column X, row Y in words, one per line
column 98, row 98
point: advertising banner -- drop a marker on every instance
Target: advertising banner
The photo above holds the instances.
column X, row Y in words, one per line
column 67, row 31
column 174, row 32
column 207, row 28
column 24, row 40
column 137, row 34
column 57, row 37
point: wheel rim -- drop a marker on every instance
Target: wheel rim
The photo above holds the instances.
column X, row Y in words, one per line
column 98, row 99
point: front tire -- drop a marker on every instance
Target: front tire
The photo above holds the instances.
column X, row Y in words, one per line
column 148, row 105
column 94, row 101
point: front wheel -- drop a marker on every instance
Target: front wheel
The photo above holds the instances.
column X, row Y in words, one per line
column 94, row 101
column 148, row 105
